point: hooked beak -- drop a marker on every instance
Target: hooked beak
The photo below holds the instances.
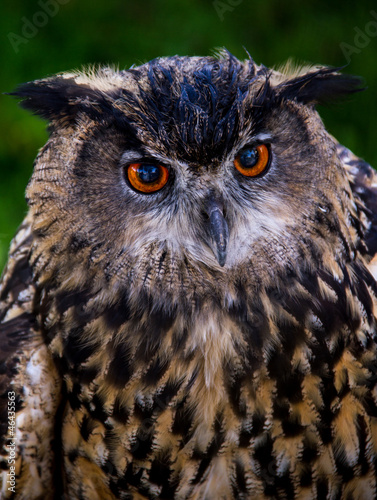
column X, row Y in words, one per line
column 218, row 227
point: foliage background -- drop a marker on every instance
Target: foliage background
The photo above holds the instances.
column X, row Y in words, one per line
column 124, row 32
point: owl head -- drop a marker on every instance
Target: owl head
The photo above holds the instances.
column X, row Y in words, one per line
column 186, row 173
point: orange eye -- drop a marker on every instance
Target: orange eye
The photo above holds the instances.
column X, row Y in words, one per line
column 252, row 161
column 147, row 177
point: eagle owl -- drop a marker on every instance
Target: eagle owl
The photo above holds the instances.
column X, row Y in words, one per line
column 189, row 308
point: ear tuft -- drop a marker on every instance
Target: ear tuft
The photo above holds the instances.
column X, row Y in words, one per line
column 320, row 87
column 61, row 98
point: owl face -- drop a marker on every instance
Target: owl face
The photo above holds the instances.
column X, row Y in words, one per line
column 184, row 169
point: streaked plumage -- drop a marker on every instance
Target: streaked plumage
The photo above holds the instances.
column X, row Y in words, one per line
column 213, row 339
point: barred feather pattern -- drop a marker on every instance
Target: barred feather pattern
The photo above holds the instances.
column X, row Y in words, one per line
column 281, row 405
column 29, row 382
column 156, row 375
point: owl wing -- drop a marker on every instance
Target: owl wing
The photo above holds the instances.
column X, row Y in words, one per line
column 29, row 384
column 363, row 181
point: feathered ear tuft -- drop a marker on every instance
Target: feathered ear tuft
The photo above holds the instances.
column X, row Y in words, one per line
column 61, row 97
column 320, row 87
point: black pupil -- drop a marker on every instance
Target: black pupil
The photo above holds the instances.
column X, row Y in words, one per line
column 249, row 158
column 148, row 173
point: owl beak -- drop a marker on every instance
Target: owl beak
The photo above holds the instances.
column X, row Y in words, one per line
column 218, row 227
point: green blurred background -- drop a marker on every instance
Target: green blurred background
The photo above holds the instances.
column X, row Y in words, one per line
column 43, row 37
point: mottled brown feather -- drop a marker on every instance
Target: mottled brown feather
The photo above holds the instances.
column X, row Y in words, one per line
column 148, row 364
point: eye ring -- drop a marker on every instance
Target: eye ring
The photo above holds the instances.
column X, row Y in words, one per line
column 147, row 177
column 253, row 161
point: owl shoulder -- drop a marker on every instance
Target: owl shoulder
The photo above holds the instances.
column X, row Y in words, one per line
column 28, row 377
column 363, row 182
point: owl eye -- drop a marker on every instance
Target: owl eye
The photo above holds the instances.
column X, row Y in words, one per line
column 147, row 177
column 252, row 161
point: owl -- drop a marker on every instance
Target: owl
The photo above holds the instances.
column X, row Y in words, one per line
column 189, row 307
